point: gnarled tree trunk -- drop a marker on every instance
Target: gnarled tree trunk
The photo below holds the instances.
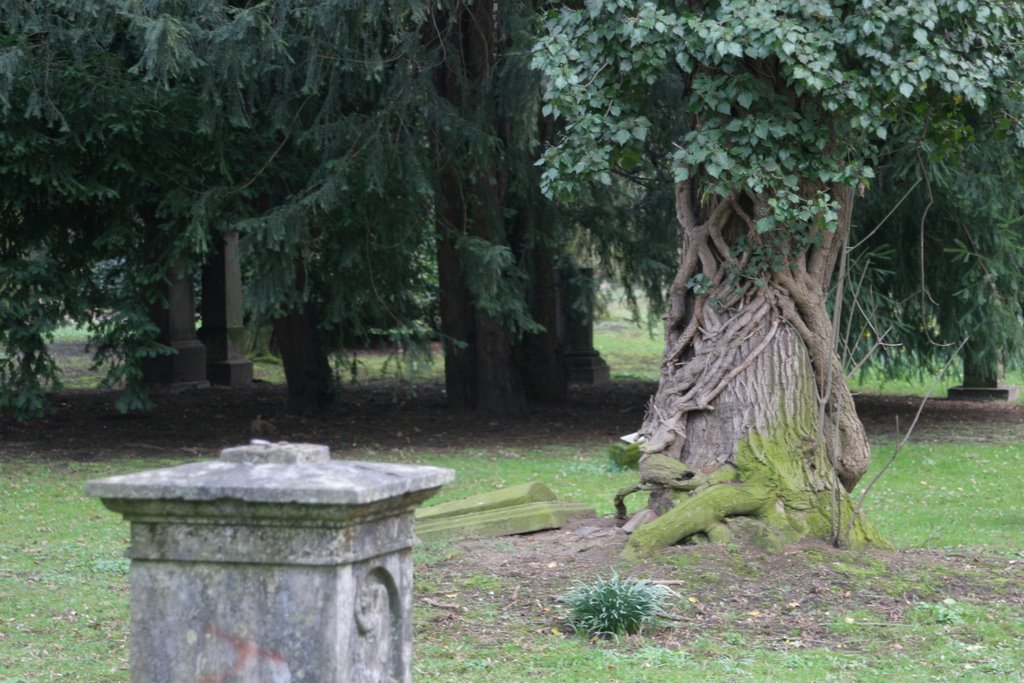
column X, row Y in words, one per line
column 752, row 416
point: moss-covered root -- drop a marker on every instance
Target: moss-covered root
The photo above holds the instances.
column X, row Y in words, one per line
column 700, row 513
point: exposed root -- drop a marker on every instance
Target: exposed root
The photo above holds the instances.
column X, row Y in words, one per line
column 702, row 512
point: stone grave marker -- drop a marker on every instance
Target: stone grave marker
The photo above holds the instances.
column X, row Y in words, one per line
column 273, row 564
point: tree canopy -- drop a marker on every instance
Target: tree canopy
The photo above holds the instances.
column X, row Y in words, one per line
column 331, row 136
column 776, row 94
column 939, row 256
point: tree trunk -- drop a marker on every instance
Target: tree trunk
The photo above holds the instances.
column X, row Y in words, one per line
column 745, row 363
column 538, row 356
column 982, row 367
column 306, row 368
column 479, row 369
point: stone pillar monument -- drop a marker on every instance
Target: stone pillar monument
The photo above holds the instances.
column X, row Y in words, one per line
column 186, row 367
column 273, row 564
column 982, row 381
column 583, row 364
column 223, row 331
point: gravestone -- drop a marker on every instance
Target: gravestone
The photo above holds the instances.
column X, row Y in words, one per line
column 982, row 382
column 583, row 363
column 185, row 368
column 272, row 564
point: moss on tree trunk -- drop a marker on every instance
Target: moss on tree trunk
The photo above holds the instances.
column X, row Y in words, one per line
column 752, row 398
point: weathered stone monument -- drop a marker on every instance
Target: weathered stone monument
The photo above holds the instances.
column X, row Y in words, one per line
column 272, row 564
column 223, row 330
column 186, row 367
column 982, row 381
column 583, row 363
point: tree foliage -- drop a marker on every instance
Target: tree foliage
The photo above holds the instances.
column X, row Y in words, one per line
column 139, row 132
column 783, row 111
column 136, row 133
column 940, row 253
column 777, row 94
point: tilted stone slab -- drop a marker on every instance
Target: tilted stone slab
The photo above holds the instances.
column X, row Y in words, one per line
column 533, row 492
column 505, row 521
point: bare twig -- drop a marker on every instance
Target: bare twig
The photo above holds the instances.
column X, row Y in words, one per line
column 886, row 217
column 906, row 437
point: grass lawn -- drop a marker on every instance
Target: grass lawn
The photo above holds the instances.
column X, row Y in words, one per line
column 64, row 599
column 947, row 605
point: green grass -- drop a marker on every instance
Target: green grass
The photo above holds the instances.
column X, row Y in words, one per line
column 949, row 496
column 874, row 382
column 72, row 333
column 63, row 579
column 64, row 600
column 937, row 656
column 579, row 474
column 629, row 349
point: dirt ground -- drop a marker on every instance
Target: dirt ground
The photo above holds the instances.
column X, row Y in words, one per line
column 792, row 599
column 84, row 425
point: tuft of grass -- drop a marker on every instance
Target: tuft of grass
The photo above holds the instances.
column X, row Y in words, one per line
column 614, row 606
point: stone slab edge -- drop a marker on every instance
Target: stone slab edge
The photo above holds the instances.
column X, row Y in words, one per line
column 328, row 483
column 517, row 519
column 1006, row 392
column 533, row 492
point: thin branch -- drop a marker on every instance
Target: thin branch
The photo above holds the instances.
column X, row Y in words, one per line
column 825, row 397
column 887, row 216
column 906, row 437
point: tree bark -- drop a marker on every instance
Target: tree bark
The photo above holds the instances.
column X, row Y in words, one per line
column 479, row 371
column 750, row 380
column 538, row 356
column 306, row 367
column 485, row 367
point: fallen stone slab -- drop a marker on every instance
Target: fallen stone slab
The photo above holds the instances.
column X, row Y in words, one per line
column 503, row 521
column 533, row 492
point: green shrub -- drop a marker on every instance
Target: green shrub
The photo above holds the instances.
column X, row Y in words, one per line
column 614, row 606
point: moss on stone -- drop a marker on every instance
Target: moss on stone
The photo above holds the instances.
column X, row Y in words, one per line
column 516, row 519
column 532, row 492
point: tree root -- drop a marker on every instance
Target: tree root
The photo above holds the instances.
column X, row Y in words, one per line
column 702, row 512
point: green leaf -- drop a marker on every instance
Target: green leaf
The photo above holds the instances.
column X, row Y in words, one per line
column 906, row 89
column 765, row 224
column 622, row 136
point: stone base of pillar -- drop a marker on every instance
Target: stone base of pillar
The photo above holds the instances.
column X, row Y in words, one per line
column 586, row 368
column 231, row 373
column 1004, row 392
column 179, row 371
